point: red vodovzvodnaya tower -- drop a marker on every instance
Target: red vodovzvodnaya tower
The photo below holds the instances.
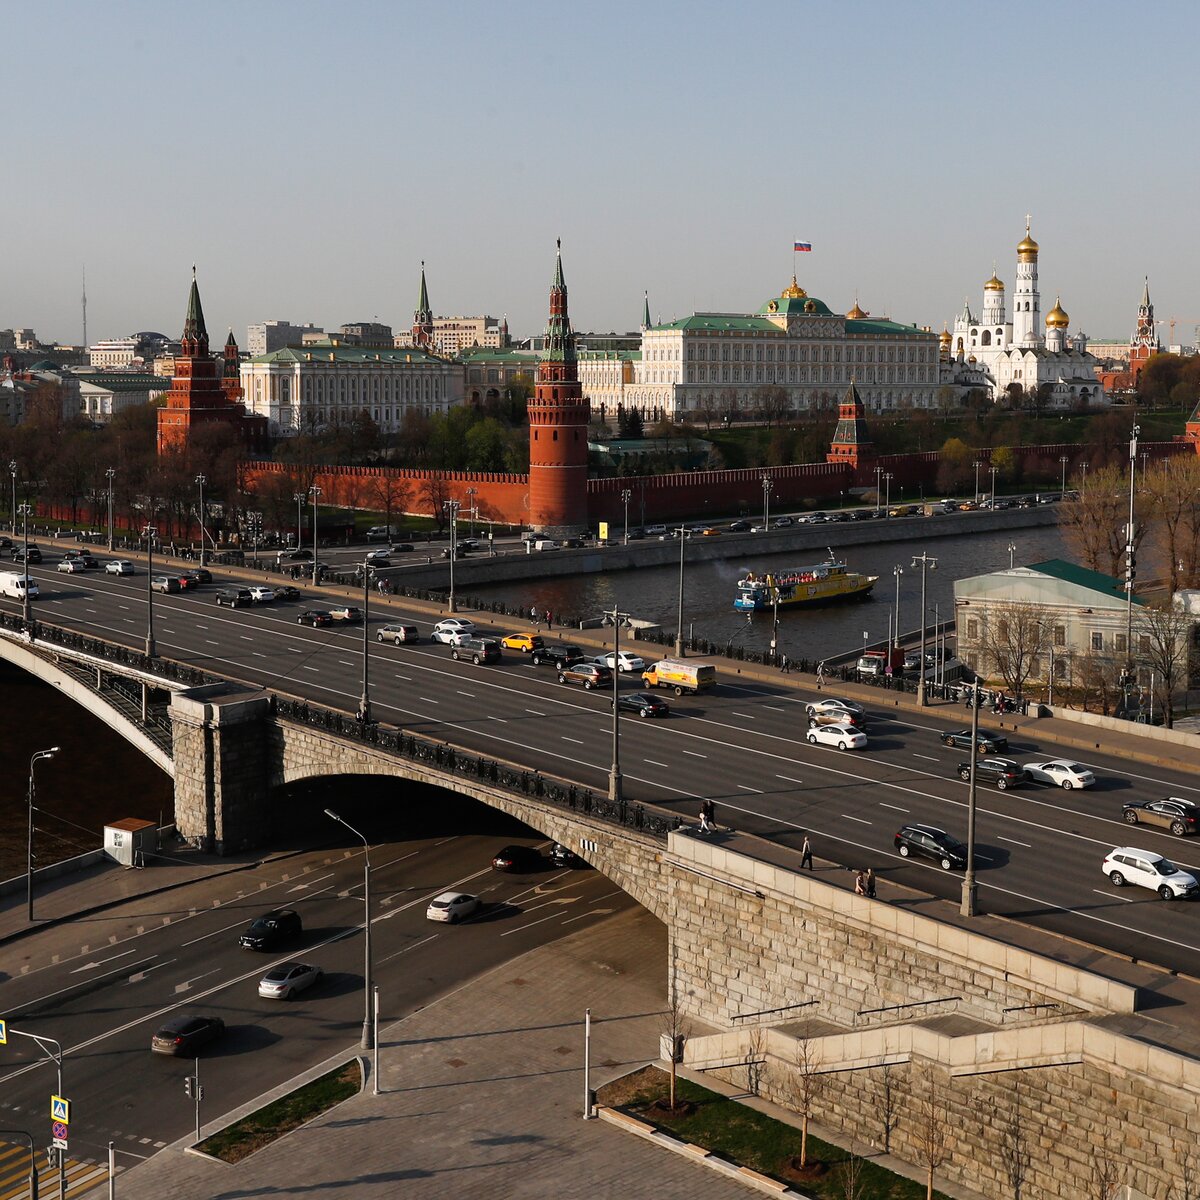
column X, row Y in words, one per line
column 558, row 425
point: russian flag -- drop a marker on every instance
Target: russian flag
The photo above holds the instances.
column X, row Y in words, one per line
column 799, row 246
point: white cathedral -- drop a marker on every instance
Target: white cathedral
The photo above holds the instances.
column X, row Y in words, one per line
column 991, row 352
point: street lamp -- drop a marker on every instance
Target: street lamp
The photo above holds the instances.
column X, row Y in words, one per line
column 970, row 890
column 766, row 487
column 1012, row 550
column 930, row 563
column 29, row 844
column 614, row 775
column 898, row 571
column 977, row 464
column 109, row 474
column 200, row 482
column 25, row 510
column 364, row 704
column 1129, row 559
column 299, row 498
column 452, row 507
column 315, row 493
column 150, row 533
column 367, row 1039
column 887, row 483
column 878, row 473
column 1063, row 461
column 626, row 496
column 681, row 533
column 471, row 494
column 992, row 471
column 1083, row 486
column 12, row 466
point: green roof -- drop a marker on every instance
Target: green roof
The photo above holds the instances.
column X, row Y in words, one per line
column 324, row 351
column 722, row 323
column 878, row 327
column 1094, row 581
column 797, row 306
column 601, row 355
column 128, row 383
column 490, row 354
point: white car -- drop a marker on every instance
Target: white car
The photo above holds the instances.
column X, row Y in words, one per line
column 1143, row 868
column 376, row 555
column 452, row 631
column 1062, row 771
column 119, row 566
column 261, row 594
column 625, row 661
column 284, row 981
column 841, row 736
column 72, row 566
column 451, row 907
column 833, row 705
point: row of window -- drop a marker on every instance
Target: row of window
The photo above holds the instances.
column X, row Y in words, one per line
column 1117, row 643
column 703, row 351
column 780, row 375
column 352, row 389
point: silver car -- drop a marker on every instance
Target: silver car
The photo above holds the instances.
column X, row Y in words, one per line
column 398, row 633
column 451, row 907
column 284, row 981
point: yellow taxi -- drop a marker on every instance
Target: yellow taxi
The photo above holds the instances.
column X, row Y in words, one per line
column 525, row 642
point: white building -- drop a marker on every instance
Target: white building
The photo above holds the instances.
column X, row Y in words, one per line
column 99, row 397
column 327, row 384
column 113, row 352
column 1021, row 349
column 795, row 350
column 267, row 336
column 453, row 335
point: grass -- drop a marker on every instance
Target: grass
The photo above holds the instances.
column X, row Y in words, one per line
column 751, row 1139
column 281, row 1116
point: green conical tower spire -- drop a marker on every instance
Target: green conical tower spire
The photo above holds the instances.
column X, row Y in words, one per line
column 559, row 281
column 645, row 310
column 193, row 324
column 423, row 296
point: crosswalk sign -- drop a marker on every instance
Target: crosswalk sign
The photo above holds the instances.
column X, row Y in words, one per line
column 60, row 1109
column 3, row 1033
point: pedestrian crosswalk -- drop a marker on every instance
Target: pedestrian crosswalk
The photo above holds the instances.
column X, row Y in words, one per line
column 14, row 1174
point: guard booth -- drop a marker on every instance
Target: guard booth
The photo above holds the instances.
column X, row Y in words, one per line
column 129, row 841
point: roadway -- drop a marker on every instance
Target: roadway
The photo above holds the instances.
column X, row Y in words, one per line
column 1039, row 848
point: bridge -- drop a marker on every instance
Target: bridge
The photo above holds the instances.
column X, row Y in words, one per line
column 767, row 962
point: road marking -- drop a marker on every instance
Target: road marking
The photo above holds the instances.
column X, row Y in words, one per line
column 859, row 820
column 344, row 663
column 695, row 754
column 654, row 762
column 315, row 670
column 1110, row 896
column 414, row 946
column 138, row 976
column 92, row 965
column 595, row 912
column 774, row 708
column 258, row 654
column 406, row 678
column 1002, row 838
column 744, row 716
column 187, row 983
column 224, row 929
column 575, row 740
column 502, row 720
column 747, row 788
column 533, row 712
column 469, row 695
column 210, row 642
column 531, row 924
column 895, row 807
column 927, row 757
column 426, row 700
column 294, row 650
column 246, row 637
column 123, row 607
column 789, row 779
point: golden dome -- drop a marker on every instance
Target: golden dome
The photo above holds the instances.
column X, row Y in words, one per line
column 994, row 284
column 1027, row 248
column 1057, row 317
column 856, row 313
column 795, row 292
column 945, row 337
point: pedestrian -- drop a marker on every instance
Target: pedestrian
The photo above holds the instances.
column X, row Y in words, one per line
column 549, row 620
column 706, row 817
column 533, row 616
column 860, row 884
column 785, row 664
column 806, row 854
column 820, row 674
column 870, row 883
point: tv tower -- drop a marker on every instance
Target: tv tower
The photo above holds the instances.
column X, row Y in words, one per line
column 84, row 303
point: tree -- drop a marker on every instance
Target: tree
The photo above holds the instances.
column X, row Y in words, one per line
column 954, row 466
column 1105, row 1174
column 1164, row 637
column 1014, row 1143
column 1093, row 522
column 932, row 1144
column 1187, row 1185
column 1172, row 487
column 675, row 1027
column 630, row 424
column 807, row 1085
column 889, row 1105
column 708, row 410
column 774, row 404
column 1014, row 635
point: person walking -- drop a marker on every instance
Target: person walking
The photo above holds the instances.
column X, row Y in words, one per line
column 533, row 616
column 785, row 664
column 549, row 620
column 870, row 883
column 806, row 854
column 820, row 674
column 860, row 884
column 707, row 822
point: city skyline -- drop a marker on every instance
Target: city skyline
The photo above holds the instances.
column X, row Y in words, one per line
column 307, row 169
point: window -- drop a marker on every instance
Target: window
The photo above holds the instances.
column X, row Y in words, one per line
column 1144, row 644
column 1120, row 644
column 973, row 629
column 1060, row 636
column 1097, row 641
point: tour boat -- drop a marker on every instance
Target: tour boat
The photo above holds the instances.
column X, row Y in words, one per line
column 800, row 587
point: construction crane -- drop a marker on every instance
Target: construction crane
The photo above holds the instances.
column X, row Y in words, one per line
column 1171, row 322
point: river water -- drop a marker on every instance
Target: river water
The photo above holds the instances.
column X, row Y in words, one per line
column 652, row 593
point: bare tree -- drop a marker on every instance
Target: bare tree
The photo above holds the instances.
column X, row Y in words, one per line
column 1014, row 1143
column 1013, row 636
column 807, row 1085
column 1105, row 1174
column 1164, row 638
column 889, row 1104
column 1093, row 523
column 932, row 1143
column 674, row 1027
column 755, row 1060
column 1172, row 487
column 850, row 1171
column 1187, row 1170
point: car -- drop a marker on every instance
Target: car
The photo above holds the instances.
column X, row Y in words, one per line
column 655, row 530
column 287, row 592
column 451, row 630
column 623, row 661
column 739, row 527
column 185, row 1033
column 1062, row 771
column 348, row 613
column 525, row 642
column 838, row 716
column 378, row 558
column 834, row 704
column 235, row 597
column 786, row 522
column 6, row 543
column 33, row 554
column 374, row 562
column 278, row 925
column 1002, row 773
column 261, row 594
column 165, row 583
column 587, row 674
column 186, row 582
column 468, row 544
column 295, row 556
column 558, row 655
column 843, row 736
column 518, row 859
column 401, row 548
column 927, row 841
column 285, row 980
column 987, row 743
column 815, row 518
column 1179, row 816
column 119, row 566
column 1144, row 868
column 709, row 531
column 644, row 704
column 912, row 662
column 199, row 575
column 452, row 907
column 316, row 617
column 398, row 633
column 564, row 856
column 72, row 566
column 477, row 649
column 863, row 514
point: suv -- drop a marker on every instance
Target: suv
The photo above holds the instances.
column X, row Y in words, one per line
column 1002, row 772
column 270, row 929
column 931, row 842
column 1172, row 812
column 235, row 597
column 557, row 654
column 398, row 633
column 1143, row 868
column 477, row 649
column 589, row 674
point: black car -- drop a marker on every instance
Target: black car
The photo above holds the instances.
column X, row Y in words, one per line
column 557, row 654
column 235, row 597
column 184, row 1034
column 33, row 555
column 314, row 617
column 518, row 859
column 561, row 856
column 287, row 593
column 739, row 526
column 1172, row 812
column 644, row 704
column 477, row 649
column 987, row 743
column 200, row 574
column 930, row 842
column 1002, row 773
column 401, row 548
column 279, row 925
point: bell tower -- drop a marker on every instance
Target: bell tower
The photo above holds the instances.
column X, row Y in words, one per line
column 1027, row 303
column 422, row 326
column 1144, row 342
column 558, row 424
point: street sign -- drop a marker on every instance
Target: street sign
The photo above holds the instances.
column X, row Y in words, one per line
column 58, row 1129
column 3, row 1033
column 58, row 1144
column 60, row 1109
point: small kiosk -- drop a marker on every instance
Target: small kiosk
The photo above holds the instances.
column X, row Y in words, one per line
column 129, row 841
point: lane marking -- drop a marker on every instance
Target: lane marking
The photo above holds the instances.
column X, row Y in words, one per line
column 521, row 928
column 859, row 820
column 406, row 949
column 695, row 754
column 1001, row 838
column 654, row 762
column 469, row 695
column 774, row 708
column 927, row 757
column 896, row 807
column 426, row 700
column 575, row 740
column 747, row 788
column 315, row 670
column 502, row 720
column 533, row 712
column 91, row 966
column 210, row 642
column 785, row 778
column 1112, row 896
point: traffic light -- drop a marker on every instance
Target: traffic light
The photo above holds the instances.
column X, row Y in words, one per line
column 189, row 1084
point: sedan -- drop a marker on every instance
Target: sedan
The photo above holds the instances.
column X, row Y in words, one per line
column 623, row 661
column 200, row 575
column 184, row 1034
column 402, row 548
column 347, row 612
column 837, row 716
column 452, row 629
column 834, row 704
column 314, row 617
column 398, row 633
column 1003, row 773
column 1173, row 813
column 261, row 594
column 287, row 592
column 517, row 858
column 739, row 527
column 1061, row 771
column 844, row 737
column 378, row 557
column 72, row 566
column 644, row 704
column 928, row 841
column 987, row 743
column 119, row 566
column 284, row 981
column 452, row 907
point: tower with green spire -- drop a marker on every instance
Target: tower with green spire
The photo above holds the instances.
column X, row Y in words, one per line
column 422, row 326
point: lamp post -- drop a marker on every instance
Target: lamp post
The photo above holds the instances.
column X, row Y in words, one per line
column 29, row 842
column 1083, row 485
column 315, row 493
column 930, row 563
column 299, row 498
column 977, row 464
column 33, row 1171
column 681, row 533
column 109, row 475
column 1012, row 550
column 626, row 496
column 878, row 474
column 992, row 471
column 25, row 510
column 364, row 703
column 12, row 467
column 150, row 533
column 766, row 487
column 452, row 507
column 200, row 482
column 1145, row 465
column 897, row 571
column 887, row 483
column 471, row 494
column 1129, row 558
column 367, row 1038
column 614, row 774
column 970, row 890
column 1063, row 462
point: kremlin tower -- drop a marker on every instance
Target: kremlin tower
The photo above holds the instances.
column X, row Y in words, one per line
column 1144, row 342
column 422, row 326
column 558, row 427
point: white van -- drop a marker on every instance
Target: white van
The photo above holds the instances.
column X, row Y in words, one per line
column 13, row 585
column 545, row 544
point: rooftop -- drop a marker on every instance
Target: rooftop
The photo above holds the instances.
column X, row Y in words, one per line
column 1094, row 581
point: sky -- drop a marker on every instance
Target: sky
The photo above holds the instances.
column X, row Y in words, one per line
column 307, row 157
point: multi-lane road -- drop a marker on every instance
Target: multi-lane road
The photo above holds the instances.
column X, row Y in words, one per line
column 1040, row 848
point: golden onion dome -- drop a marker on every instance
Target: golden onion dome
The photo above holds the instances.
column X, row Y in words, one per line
column 1027, row 248
column 856, row 313
column 995, row 284
column 1057, row 317
column 795, row 292
column 945, row 337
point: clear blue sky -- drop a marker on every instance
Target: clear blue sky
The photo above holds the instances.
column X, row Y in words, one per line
column 308, row 156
